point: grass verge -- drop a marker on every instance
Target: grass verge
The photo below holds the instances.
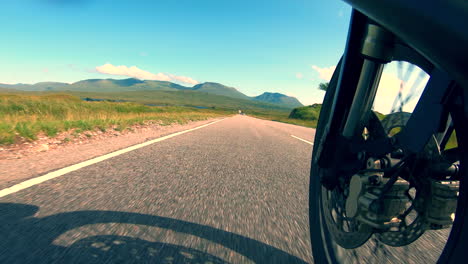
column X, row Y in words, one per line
column 283, row 117
column 24, row 116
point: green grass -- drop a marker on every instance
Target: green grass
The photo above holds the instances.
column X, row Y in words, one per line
column 452, row 142
column 310, row 112
column 186, row 98
column 306, row 116
column 25, row 116
column 304, row 123
column 283, row 117
column 51, row 112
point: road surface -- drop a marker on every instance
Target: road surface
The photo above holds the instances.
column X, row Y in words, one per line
column 231, row 192
column 235, row 191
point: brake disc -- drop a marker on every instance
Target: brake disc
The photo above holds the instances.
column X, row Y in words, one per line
column 398, row 120
column 348, row 233
column 406, row 234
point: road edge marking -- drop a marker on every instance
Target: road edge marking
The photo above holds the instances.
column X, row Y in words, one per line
column 51, row 175
column 301, row 139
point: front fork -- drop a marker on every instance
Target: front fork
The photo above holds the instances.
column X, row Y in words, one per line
column 376, row 50
column 369, row 48
column 358, row 79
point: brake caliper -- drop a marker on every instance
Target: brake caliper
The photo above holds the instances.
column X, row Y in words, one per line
column 364, row 202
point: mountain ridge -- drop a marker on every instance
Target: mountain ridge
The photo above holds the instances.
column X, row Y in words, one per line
column 278, row 98
column 133, row 84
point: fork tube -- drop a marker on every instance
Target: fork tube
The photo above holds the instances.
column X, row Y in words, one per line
column 364, row 97
column 377, row 49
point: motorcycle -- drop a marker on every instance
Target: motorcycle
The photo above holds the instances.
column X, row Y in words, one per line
column 377, row 185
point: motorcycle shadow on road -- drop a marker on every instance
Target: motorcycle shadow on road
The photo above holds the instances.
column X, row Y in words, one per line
column 27, row 239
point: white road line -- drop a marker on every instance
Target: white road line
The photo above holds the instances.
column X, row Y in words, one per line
column 302, row 140
column 60, row 172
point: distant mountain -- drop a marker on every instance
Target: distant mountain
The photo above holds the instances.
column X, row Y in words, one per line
column 162, row 86
column 104, row 85
column 183, row 98
column 47, row 86
column 132, row 84
column 219, row 89
column 278, row 98
column 9, row 90
column 41, row 86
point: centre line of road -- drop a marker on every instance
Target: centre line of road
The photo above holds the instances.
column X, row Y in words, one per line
column 60, row 172
column 301, row 139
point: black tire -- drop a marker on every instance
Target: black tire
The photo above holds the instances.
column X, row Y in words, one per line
column 318, row 231
column 323, row 246
column 455, row 250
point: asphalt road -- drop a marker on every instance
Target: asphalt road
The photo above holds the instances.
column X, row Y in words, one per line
column 232, row 192
column 235, row 191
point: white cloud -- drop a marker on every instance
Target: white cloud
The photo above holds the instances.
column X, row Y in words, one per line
column 135, row 72
column 389, row 87
column 299, row 75
column 183, row 79
column 324, row 73
column 131, row 72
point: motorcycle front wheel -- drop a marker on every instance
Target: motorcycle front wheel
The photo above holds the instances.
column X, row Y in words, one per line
column 335, row 240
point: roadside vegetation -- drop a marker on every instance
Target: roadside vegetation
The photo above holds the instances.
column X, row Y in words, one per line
column 286, row 119
column 186, row 98
column 310, row 112
column 25, row 116
column 303, row 116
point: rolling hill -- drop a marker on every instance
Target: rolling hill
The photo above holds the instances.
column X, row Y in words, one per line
column 278, row 98
column 112, row 85
column 219, row 89
column 41, row 86
column 184, row 98
column 122, row 86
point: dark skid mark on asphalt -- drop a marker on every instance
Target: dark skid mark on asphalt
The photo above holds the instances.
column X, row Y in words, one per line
column 26, row 239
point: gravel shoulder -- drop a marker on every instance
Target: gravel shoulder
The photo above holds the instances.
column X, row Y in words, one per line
column 29, row 160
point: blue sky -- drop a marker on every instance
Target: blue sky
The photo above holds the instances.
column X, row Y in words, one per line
column 255, row 46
